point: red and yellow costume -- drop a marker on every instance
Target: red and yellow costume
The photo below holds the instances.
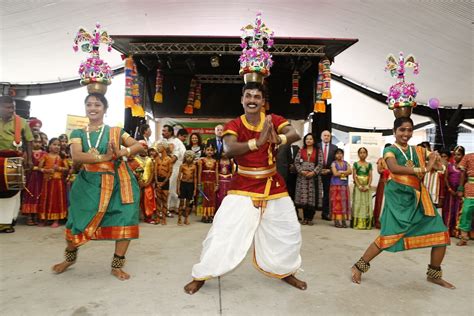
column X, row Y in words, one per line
column 52, row 203
column 257, row 209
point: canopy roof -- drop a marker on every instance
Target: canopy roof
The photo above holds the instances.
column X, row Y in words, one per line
column 36, row 37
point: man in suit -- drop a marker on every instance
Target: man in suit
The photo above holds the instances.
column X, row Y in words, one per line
column 286, row 166
column 217, row 142
column 328, row 150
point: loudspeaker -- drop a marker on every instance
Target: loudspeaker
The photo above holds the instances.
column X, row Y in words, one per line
column 23, row 108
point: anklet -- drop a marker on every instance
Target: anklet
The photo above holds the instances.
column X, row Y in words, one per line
column 118, row 261
column 434, row 272
column 362, row 266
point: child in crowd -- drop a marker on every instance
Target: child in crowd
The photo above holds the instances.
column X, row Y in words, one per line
column 163, row 169
column 52, row 203
column 226, row 169
column 339, row 190
column 145, row 180
column 186, row 186
column 34, row 182
column 208, row 183
column 362, row 212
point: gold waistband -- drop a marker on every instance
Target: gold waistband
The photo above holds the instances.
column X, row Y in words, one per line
column 257, row 173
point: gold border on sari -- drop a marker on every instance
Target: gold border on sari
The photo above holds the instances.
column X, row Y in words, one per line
column 107, row 233
column 436, row 239
column 384, row 242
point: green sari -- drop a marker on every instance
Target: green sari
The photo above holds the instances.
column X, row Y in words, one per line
column 409, row 219
column 104, row 198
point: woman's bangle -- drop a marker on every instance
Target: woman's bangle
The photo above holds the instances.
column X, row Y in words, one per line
column 283, row 139
column 129, row 151
column 252, row 143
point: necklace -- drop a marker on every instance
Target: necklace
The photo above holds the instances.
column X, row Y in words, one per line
column 94, row 150
column 409, row 162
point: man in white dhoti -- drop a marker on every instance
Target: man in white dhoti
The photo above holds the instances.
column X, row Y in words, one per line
column 257, row 208
column 177, row 153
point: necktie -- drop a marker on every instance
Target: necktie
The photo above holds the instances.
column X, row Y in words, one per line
column 219, row 145
column 325, row 153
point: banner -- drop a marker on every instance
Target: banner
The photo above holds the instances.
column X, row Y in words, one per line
column 75, row 122
column 204, row 128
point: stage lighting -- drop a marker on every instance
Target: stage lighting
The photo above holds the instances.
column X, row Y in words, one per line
column 215, row 61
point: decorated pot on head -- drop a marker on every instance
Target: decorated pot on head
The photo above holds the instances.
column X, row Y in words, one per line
column 255, row 61
column 401, row 95
column 95, row 73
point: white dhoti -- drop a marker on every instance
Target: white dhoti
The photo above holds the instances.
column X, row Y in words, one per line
column 173, row 200
column 9, row 208
column 276, row 235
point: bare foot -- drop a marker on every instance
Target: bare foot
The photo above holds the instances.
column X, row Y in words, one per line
column 120, row 274
column 193, row 286
column 441, row 282
column 293, row 281
column 462, row 242
column 61, row 267
column 356, row 275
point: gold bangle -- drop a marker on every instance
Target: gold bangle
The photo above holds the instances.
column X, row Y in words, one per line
column 252, row 144
column 283, row 139
column 129, row 152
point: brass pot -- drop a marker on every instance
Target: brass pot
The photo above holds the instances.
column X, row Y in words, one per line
column 253, row 77
column 97, row 87
column 402, row 112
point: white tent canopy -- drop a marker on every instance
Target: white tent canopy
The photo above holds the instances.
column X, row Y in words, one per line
column 36, row 37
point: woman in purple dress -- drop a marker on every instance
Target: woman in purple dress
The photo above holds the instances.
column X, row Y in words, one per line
column 452, row 203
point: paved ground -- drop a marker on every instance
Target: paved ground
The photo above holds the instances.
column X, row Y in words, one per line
column 160, row 263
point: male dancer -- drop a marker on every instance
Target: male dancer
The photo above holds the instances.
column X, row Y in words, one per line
column 257, row 207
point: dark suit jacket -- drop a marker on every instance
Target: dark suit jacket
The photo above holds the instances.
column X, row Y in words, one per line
column 332, row 150
column 285, row 157
column 218, row 153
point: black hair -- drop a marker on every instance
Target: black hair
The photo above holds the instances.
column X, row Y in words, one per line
column 182, row 132
column 199, row 139
column 209, row 145
column 52, row 140
column 445, row 151
column 358, row 151
column 339, row 150
column 6, row 99
column 142, row 129
column 387, row 145
column 63, row 136
column 304, row 139
column 459, row 148
column 399, row 122
column 169, row 128
column 254, row 86
column 99, row 96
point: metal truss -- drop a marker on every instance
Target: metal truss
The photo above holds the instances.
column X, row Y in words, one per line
column 220, row 48
column 225, row 79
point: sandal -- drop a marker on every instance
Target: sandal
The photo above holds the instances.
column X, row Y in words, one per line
column 8, row 230
column 337, row 225
column 310, row 223
column 30, row 222
column 304, row 222
column 344, row 225
column 462, row 242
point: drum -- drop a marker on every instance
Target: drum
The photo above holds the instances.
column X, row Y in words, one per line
column 12, row 176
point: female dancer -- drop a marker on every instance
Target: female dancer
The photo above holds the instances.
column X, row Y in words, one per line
column 104, row 199
column 409, row 219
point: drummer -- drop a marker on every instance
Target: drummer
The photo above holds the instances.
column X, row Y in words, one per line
column 11, row 206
